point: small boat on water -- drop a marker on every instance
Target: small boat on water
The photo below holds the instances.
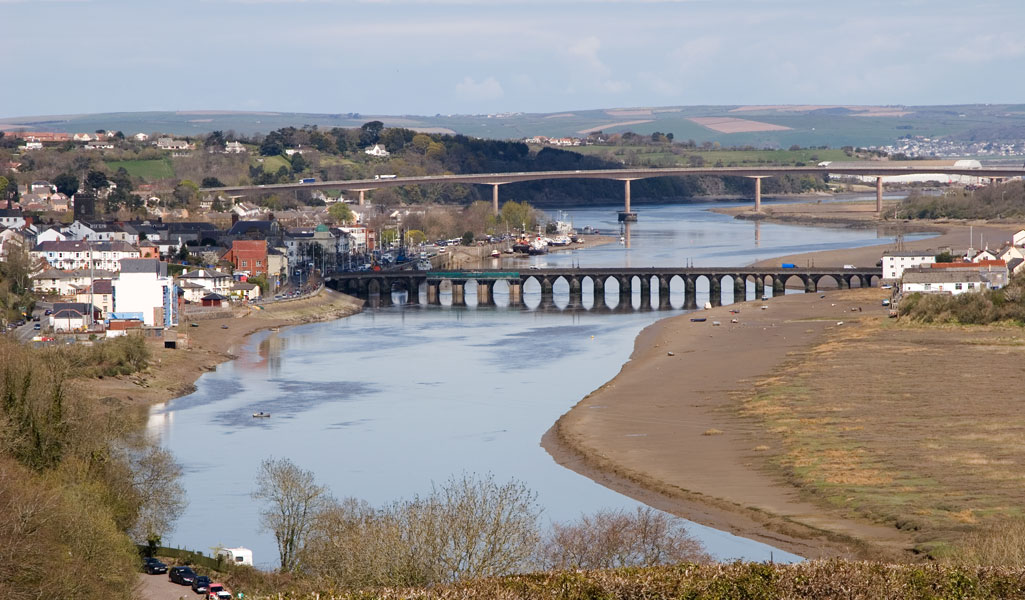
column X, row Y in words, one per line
column 698, row 319
column 261, row 415
column 496, row 254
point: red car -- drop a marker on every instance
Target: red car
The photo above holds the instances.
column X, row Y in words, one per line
column 217, row 591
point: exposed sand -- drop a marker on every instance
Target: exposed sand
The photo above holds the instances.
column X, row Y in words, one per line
column 611, row 125
column 664, row 430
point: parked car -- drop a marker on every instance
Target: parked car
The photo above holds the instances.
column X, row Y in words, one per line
column 153, row 566
column 181, row 575
column 200, row 584
column 217, row 591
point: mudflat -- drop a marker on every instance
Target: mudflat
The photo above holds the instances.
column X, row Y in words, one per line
column 668, row 430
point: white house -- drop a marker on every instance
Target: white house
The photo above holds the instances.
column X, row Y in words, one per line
column 1018, row 239
column 71, row 254
column 66, row 283
column 12, row 218
column 166, row 143
column 985, row 255
column 101, row 295
column 1009, row 253
column 234, row 148
column 52, row 234
column 144, row 291
column 943, row 281
column 200, row 282
column 71, row 316
column 377, row 150
column 894, row 263
column 141, row 137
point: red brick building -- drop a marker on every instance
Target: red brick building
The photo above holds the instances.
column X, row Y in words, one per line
column 248, row 256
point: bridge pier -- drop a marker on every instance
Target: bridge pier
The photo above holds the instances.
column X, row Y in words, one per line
column 879, row 194
column 714, row 290
column 485, row 293
column 599, row 294
column 434, row 292
column 645, row 292
column 739, row 289
column 626, row 295
column 811, row 285
column 412, row 292
column 758, row 194
column 362, row 197
column 494, row 198
column 843, row 282
column 778, row 286
column 690, row 293
column 515, row 293
column 458, row 293
column 663, row 293
column 547, row 293
column 627, row 216
column 759, row 287
column 576, row 293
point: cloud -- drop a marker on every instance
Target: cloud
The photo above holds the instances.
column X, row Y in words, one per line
column 489, row 89
column 585, row 54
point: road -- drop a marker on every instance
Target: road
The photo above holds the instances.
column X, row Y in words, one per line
column 159, row 587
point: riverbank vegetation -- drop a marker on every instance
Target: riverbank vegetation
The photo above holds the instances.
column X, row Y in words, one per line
column 980, row 308
column 885, row 421
column 79, row 482
column 993, row 202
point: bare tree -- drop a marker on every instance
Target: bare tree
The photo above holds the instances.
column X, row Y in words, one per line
column 156, row 478
column 293, row 502
column 615, row 538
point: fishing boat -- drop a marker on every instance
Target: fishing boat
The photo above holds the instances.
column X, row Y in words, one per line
column 521, row 245
column 698, row 319
column 538, row 246
column 496, row 254
column 261, row 415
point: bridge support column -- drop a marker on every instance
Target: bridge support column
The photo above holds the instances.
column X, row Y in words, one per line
column 576, row 293
column 412, row 292
column 458, row 293
column 645, row 292
column 690, row 293
column 547, row 294
column 626, row 294
column 433, row 292
column 844, row 282
column 811, row 285
column 759, row 287
column 758, row 194
column 779, row 287
column 879, row 194
column 663, row 293
column 494, row 198
column 484, row 293
column 627, row 216
column 599, row 294
column 739, row 289
column 362, row 197
column 515, row 293
column 384, row 293
column 715, row 290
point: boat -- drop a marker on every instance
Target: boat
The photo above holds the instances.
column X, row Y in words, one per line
column 698, row 319
column 261, row 415
column 508, row 251
column 538, row 246
column 521, row 245
column 495, row 254
column 561, row 240
column 708, row 306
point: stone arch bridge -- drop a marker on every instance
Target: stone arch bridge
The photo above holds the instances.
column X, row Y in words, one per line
column 377, row 287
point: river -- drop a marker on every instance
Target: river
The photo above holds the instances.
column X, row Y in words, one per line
column 382, row 404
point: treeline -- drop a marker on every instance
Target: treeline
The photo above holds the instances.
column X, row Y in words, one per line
column 79, row 481
column 1001, row 201
column 467, row 527
column 974, row 308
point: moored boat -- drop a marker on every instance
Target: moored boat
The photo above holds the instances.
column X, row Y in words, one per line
column 261, row 415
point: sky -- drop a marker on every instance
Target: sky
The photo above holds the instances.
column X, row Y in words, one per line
column 422, row 57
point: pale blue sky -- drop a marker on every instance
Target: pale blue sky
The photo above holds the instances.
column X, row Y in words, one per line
column 449, row 56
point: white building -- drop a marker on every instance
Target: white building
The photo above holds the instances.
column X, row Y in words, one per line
column 201, row 282
column 234, row 148
column 894, row 263
column 71, row 316
column 144, row 291
column 943, row 281
column 166, row 143
column 66, row 283
column 377, row 150
column 11, row 217
column 141, row 137
column 68, row 255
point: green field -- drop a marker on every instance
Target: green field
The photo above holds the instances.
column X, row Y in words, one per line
column 271, row 164
column 640, row 155
column 150, row 170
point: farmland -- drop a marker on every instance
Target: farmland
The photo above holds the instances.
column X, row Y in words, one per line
column 150, row 170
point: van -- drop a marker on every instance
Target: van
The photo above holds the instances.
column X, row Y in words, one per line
column 849, row 267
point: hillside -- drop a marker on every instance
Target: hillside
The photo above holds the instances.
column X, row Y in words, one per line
column 759, row 126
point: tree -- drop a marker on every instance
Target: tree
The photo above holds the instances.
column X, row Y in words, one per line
column 340, row 213
column 467, row 239
column 299, row 163
column 415, row 237
column 370, row 133
column 214, row 140
column 156, row 479
column 66, row 183
column 96, row 180
column 612, row 539
column 211, row 182
column 293, row 501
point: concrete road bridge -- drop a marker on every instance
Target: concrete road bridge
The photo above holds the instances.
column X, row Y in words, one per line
column 878, row 169
column 653, row 284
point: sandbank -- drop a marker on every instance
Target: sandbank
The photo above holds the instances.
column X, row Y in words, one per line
column 665, row 432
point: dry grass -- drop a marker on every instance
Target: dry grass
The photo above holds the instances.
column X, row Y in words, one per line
column 712, row 431
column 919, row 427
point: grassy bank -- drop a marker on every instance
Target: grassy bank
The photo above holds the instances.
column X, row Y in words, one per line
column 911, row 426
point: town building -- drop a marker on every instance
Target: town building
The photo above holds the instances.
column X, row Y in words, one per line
column 73, row 254
column 12, row 218
column 66, row 283
column 101, row 295
column 248, row 257
column 894, row 263
column 943, row 281
column 377, row 150
column 234, row 148
column 73, row 316
column 199, row 282
column 144, row 291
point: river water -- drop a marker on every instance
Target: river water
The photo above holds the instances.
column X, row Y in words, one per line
column 382, row 404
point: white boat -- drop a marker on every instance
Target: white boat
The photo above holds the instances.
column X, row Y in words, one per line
column 708, row 306
column 538, row 246
column 561, row 240
column 495, row 254
column 261, row 415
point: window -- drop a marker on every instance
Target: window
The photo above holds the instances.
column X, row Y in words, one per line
column 245, row 264
column 957, row 286
column 971, row 286
column 259, row 263
column 928, row 286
